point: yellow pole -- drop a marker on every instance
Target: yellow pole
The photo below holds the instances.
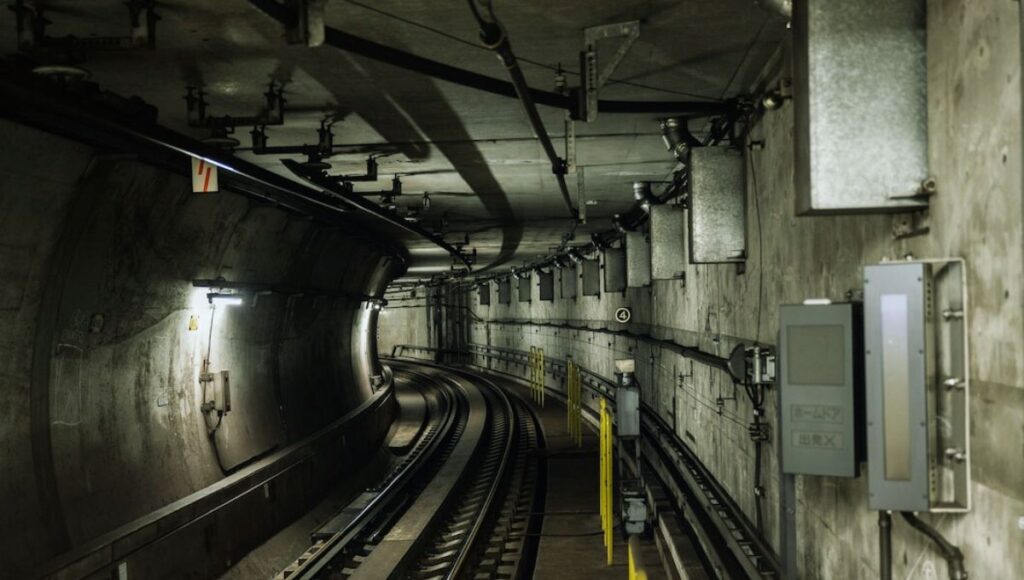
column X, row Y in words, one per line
column 607, row 519
column 637, row 570
column 540, row 377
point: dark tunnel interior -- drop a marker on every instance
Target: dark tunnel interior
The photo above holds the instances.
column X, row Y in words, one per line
column 668, row 289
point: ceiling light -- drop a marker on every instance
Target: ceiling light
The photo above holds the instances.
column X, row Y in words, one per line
column 224, row 299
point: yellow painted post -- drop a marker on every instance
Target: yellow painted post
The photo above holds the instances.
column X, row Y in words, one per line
column 579, row 408
column 607, row 517
column 609, row 496
column 568, row 395
column 637, row 570
column 540, row 376
column 532, row 374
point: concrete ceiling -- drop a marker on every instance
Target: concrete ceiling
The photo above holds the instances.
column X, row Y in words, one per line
column 473, row 151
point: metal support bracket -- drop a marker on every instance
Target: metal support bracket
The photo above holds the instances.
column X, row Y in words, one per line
column 591, row 78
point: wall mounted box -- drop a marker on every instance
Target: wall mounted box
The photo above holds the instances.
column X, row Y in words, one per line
column 718, row 212
column 591, row 278
column 546, row 286
column 525, row 287
column 485, row 294
column 668, row 242
column 918, row 388
column 638, row 260
column 614, row 269
column 821, row 383
column 504, row 291
column 568, row 281
column 860, row 82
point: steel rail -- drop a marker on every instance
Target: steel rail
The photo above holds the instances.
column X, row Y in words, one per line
column 332, row 548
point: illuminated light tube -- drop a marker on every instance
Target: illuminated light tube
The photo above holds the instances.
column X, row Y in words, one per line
column 225, row 299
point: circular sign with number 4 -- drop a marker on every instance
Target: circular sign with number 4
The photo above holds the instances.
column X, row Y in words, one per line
column 623, row 315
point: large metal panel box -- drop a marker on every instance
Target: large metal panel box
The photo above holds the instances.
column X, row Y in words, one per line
column 668, row 242
column 614, row 270
column 546, row 286
column 899, row 369
column 627, row 411
column 525, row 287
column 638, row 260
column 860, row 104
column 718, row 222
column 591, row 278
column 821, row 389
column 504, row 291
column 485, row 294
column 569, row 281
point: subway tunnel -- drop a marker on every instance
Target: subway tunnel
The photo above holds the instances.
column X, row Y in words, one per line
column 676, row 289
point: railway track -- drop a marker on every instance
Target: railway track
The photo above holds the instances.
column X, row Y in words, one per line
column 459, row 504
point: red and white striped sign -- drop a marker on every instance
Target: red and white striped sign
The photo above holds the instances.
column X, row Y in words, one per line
column 204, row 176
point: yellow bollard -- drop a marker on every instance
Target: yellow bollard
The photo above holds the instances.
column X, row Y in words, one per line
column 607, row 495
column 637, row 570
column 540, row 375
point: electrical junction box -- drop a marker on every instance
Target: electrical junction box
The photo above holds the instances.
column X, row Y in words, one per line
column 627, row 400
column 546, row 286
column 861, row 106
column 525, row 288
column 485, row 294
column 718, row 211
column 568, row 281
column 504, row 291
column 918, row 386
column 614, row 270
column 638, row 260
column 591, row 277
column 668, row 242
column 821, row 386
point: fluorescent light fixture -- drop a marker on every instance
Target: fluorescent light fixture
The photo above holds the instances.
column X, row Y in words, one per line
column 225, row 299
column 817, row 302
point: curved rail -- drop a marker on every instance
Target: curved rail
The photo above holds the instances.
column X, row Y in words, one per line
column 443, row 427
column 462, row 504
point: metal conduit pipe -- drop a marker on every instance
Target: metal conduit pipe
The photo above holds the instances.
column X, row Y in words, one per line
column 29, row 99
column 884, row 545
column 953, row 556
column 689, row 352
column 494, row 37
column 439, row 70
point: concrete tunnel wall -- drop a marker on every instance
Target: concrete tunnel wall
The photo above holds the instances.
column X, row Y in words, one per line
column 100, row 419
column 974, row 101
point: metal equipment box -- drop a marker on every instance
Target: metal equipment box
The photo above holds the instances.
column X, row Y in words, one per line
column 485, row 294
column 627, row 400
column 568, row 281
column 591, row 278
column 917, row 386
column 638, row 260
column 525, row 287
column 614, row 270
column 860, row 98
column 821, row 383
column 718, row 212
column 668, row 242
column 546, row 286
column 504, row 291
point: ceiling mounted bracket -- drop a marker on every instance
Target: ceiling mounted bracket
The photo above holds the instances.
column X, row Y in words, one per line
column 591, row 78
column 31, row 23
column 196, row 109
